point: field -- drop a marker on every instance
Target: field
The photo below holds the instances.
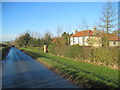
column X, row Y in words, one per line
column 85, row 74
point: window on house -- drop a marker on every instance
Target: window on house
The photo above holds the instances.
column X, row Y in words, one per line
column 78, row 40
column 114, row 43
column 73, row 40
column 83, row 41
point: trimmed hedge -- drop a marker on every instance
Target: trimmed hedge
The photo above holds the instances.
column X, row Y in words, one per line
column 74, row 51
column 107, row 56
column 51, row 48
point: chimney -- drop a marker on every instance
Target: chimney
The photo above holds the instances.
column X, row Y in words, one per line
column 75, row 31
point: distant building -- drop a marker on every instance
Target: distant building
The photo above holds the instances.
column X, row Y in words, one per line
column 114, row 41
column 92, row 38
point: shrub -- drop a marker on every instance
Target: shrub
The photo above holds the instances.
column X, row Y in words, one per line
column 106, row 55
column 74, row 51
column 86, row 53
column 51, row 48
column 102, row 55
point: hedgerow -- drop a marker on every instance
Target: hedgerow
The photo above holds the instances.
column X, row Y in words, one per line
column 107, row 56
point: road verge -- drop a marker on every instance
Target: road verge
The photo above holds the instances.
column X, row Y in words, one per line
column 78, row 72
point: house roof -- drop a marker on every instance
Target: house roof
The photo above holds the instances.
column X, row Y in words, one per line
column 83, row 33
column 115, row 38
column 112, row 37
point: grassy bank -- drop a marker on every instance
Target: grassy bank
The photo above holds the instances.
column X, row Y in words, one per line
column 82, row 73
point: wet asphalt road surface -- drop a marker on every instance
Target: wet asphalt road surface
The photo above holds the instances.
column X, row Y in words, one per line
column 21, row 71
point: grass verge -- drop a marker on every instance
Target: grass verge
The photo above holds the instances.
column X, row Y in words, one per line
column 85, row 74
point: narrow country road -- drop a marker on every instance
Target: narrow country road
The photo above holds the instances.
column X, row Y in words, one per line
column 21, row 71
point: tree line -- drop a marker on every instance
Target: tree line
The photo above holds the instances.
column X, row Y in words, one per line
column 27, row 40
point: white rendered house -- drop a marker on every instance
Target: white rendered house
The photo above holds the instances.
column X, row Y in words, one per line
column 91, row 38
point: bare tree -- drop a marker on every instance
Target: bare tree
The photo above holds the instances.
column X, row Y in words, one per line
column 59, row 31
column 98, row 28
column 69, row 28
column 108, row 21
column 35, row 35
column 91, row 40
column 84, row 25
column 47, row 38
column 109, row 17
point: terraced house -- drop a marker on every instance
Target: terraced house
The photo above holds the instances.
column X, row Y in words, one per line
column 93, row 38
